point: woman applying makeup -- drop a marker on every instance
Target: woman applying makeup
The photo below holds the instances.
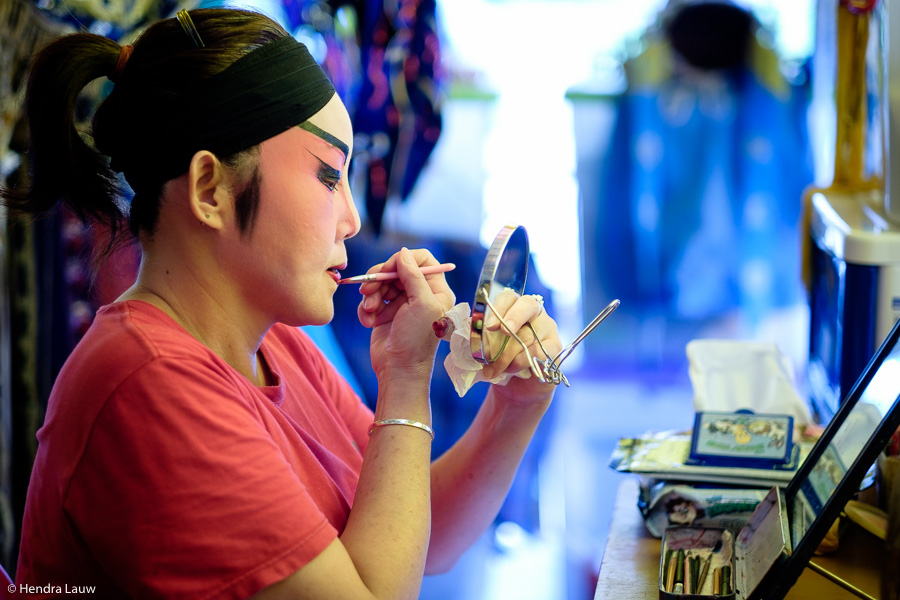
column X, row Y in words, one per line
column 196, row 443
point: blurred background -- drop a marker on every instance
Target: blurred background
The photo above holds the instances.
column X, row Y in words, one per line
column 657, row 151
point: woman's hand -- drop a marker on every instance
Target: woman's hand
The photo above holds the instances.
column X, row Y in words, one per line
column 518, row 312
column 401, row 312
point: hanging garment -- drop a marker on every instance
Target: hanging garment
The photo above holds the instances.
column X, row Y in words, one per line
column 702, row 185
column 397, row 120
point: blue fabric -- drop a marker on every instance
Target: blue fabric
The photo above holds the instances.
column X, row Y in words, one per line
column 401, row 91
column 701, row 196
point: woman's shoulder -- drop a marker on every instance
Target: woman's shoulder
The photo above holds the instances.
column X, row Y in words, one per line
column 133, row 358
column 136, row 329
column 124, row 338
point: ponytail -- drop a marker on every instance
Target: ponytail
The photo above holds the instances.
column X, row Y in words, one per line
column 63, row 167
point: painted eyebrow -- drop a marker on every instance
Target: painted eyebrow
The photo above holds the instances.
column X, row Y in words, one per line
column 321, row 133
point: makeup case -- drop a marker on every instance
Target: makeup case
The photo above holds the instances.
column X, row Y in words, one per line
column 743, row 439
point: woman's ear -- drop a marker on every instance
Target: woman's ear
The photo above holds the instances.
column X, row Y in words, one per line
column 207, row 189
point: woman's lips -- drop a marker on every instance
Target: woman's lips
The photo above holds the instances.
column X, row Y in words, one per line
column 335, row 271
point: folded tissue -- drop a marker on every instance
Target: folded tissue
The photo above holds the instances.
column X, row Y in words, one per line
column 729, row 375
column 465, row 371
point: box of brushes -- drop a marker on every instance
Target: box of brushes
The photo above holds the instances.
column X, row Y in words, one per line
column 697, row 562
column 714, row 562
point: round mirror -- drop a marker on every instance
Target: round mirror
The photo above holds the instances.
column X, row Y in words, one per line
column 501, row 282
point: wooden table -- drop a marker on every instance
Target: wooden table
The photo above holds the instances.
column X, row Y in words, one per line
column 630, row 567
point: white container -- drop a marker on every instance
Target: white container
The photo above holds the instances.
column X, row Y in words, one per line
column 855, row 290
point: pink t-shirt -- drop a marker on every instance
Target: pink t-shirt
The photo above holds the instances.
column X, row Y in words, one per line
column 162, row 472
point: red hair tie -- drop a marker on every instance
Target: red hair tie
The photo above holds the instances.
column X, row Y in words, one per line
column 124, row 55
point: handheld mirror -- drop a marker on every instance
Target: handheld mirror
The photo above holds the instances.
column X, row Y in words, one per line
column 501, row 282
column 502, row 275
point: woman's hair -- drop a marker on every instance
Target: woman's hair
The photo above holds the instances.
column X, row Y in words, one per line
column 67, row 167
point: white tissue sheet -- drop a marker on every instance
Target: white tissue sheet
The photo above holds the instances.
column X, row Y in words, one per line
column 465, row 371
column 729, row 375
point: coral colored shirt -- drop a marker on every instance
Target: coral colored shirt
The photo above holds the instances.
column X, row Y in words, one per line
column 163, row 473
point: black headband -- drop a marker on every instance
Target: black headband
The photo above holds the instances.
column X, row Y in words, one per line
column 273, row 88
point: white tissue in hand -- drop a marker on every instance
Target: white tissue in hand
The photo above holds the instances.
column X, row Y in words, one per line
column 465, row 371
column 728, row 375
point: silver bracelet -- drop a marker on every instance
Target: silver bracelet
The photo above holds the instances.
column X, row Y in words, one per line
column 407, row 422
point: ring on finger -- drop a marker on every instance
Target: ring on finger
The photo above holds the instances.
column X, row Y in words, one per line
column 540, row 302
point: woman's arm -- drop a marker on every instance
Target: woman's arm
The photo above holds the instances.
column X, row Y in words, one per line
column 405, row 506
column 471, row 480
column 381, row 552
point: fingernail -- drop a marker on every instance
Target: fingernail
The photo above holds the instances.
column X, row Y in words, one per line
column 369, row 303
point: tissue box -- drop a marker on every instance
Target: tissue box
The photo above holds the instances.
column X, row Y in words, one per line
column 710, row 562
column 731, row 375
column 742, row 439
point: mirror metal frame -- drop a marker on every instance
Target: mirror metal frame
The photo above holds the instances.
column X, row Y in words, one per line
column 514, row 234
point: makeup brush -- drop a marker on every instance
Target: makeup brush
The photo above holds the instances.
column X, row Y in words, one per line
column 388, row 275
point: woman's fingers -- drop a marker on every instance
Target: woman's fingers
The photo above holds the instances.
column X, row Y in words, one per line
column 382, row 299
column 513, row 359
column 516, row 311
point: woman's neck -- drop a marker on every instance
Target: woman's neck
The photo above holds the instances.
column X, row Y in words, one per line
column 207, row 310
